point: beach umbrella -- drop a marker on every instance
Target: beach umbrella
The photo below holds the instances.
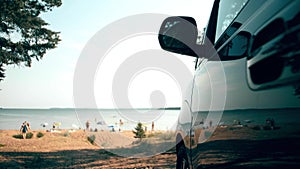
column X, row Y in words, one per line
column 111, row 127
column 57, row 124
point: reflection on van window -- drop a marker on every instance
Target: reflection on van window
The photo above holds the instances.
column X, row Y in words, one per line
column 228, row 10
column 237, row 47
column 227, row 34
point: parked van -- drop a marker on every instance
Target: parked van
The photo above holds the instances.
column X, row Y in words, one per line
column 242, row 109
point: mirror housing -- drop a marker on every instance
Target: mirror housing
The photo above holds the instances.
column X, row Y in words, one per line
column 178, row 34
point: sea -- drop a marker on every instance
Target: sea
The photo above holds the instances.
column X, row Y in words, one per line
column 100, row 119
column 127, row 119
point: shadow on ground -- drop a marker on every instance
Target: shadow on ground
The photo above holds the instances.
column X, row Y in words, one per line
column 87, row 158
column 250, row 154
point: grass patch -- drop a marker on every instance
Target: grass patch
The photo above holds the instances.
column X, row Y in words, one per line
column 169, row 135
column 29, row 135
column 154, row 134
column 2, row 145
column 20, row 136
column 39, row 135
column 150, row 135
column 66, row 134
column 91, row 139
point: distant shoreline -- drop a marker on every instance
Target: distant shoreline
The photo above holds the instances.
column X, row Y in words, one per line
column 53, row 108
column 167, row 108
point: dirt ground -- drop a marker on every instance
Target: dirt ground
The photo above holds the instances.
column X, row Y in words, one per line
column 71, row 150
column 228, row 147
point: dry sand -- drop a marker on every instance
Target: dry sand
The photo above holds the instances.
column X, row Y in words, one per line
column 228, row 147
column 73, row 150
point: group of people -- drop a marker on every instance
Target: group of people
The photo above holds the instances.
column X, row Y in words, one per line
column 25, row 127
column 121, row 123
column 88, row 125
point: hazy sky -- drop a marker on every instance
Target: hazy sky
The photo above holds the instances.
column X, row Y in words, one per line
column 49, row 82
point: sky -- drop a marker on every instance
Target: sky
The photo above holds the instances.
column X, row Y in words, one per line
column 49, row 82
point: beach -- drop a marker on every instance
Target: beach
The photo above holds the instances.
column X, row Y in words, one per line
column 71, row 149
column 230, row 146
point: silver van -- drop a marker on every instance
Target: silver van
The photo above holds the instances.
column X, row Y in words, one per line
column 242, row 109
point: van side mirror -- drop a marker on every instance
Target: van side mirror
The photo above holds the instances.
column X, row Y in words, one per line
column 178, row 34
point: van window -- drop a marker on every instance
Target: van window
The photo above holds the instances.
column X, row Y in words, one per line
column 236, row 48
column 228, row 10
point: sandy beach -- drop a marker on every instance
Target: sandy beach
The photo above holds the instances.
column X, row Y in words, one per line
column 72, row 150
column 228, row 147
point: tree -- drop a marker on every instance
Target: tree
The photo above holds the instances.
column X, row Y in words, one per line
column 139, row 131
column 23, row 34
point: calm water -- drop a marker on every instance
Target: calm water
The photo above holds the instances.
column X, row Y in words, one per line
column 282, row 117
column 100, row 119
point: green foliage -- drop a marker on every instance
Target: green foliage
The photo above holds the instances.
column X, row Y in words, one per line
column 29, row 135
column 2, row 145
column 23, row 33
column 168, row 135
column 91, row 139
column 20, row 136
column 66, row 134
column 39, row 135
column 139, row 131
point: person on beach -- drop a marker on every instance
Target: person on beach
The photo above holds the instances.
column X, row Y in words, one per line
column 152, row 129
column 24, row 129
column 87, row 125
column 120, row 125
